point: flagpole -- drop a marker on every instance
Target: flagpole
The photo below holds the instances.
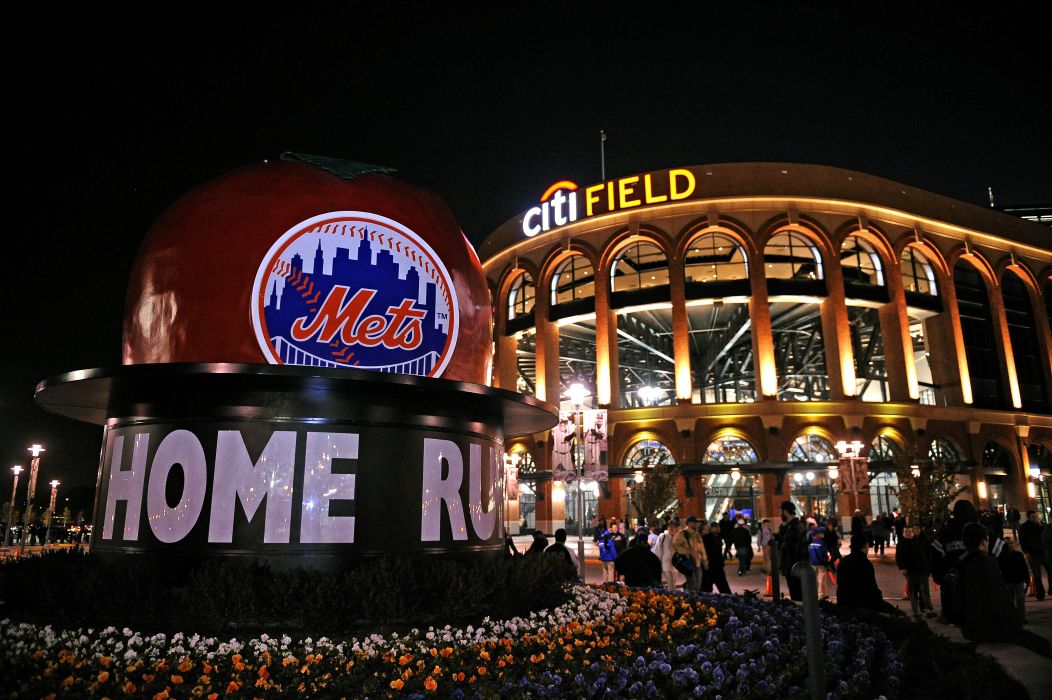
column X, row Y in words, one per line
column 602, row 155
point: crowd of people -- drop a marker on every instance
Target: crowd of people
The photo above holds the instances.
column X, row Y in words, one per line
column 983, row 563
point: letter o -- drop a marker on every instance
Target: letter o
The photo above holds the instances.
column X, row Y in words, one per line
column 173, row 524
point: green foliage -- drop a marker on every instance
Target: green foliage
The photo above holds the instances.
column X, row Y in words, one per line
column 657, row 489
column 926, row 488
column 73, row 590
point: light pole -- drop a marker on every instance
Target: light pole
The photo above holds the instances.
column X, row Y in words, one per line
column 576, row 394
column 851, row 457
column 833, row 474
column 11, row 508
column 51, row 511
column 31, row 488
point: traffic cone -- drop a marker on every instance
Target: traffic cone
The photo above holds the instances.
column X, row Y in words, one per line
column 1032, row 591
column 768, row 591
column 906, row 590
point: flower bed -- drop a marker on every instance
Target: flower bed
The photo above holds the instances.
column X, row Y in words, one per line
column 605, row 642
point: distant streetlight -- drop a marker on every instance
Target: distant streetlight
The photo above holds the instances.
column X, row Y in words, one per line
column 51, row 511
column 34, row 469
column 11, row 508
column 576, row 393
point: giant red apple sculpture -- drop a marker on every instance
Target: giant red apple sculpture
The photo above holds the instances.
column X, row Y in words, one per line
column 310, row 261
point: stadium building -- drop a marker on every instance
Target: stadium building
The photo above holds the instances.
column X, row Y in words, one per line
column 738, row 321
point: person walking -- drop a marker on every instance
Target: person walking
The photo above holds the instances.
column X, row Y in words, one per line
column 639, row 566
column 664, row 550
column 715, row 574
column 764, row 540
column 611, row 544
column 726, row 526
column 688, row 542
column 1030, row 534
column 792, row 547
column 819, row 557
column 912, row 560
column 1016, row 575
column 880, row 535
column 743, row 547
column 1012, row 516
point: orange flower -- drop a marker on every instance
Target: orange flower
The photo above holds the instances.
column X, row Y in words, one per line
column 105, row 661
column 232, row 687
column 433, row 652
column 397, row 684
column 447, row 652
column 177, row 680
column 147, row 677
column 213, row 696
column 163, row 695
column 235, row 658
column 430, row 684
column 186, row 665
column 481, row 670
column 484, row 655
column 104, row 676
column 129, row 688
column 264, row 673
column 67, row 681
column 207, row 667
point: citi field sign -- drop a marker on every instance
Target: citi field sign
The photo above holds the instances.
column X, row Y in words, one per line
column 564, row 202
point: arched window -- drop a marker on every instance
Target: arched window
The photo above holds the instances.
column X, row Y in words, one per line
column 639, row 266
column 1026, row 349
column 715, row 257
column 917, row 274
column 860, row 262
column 792, row 256
column 646, row 454
column 730, row 450
column 886, row 451
column 526, row 463
column 979, row 331
column 942, row 450
column 813, row 448
column 521, row 296
column 573, row 280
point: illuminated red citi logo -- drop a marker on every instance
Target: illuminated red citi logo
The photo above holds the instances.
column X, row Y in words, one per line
column 358, row 290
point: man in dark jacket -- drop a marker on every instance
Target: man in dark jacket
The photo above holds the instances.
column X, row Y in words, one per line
column 792, row 547
column 560, row 550
column 743, row 547
column 912, row 559
column 857, row 581
column 638, row 564
column 726, row 534
column 1030, row 540
column 714, row 575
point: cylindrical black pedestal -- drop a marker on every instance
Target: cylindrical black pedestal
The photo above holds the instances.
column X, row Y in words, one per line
column 295, row 466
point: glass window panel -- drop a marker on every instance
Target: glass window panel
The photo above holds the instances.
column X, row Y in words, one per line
column 573, row 280
column 791, row 256
column 645, row 358
column 1019, row 313
column 526, row 362
column 799, row 352
column 577, row 360
column 647, row 454
column 921, row 361
column 984, row 362
column 715, row 257
column 730, row 450
column 860, row 263
column 721, row 357
column 813, row 448
column 521, row 297
column 917, row 273
column 942, row 450
column 640, row 265
column 867, row 345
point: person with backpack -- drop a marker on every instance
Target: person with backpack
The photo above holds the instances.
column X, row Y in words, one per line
column 819, row 557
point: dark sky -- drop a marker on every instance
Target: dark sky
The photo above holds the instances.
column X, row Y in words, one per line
column 109, row 125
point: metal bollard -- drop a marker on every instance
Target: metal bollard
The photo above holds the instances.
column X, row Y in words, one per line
column 776, row 573
column 816, row 672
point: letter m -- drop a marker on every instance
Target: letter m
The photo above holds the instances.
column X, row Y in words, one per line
column 237, row 478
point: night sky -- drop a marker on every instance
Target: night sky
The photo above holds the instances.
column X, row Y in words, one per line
column 108, row 126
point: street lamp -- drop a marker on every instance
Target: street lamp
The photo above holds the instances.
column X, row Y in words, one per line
column 577, row 393
column 11, row 508
column 851, row 458
column 34, row 468
column 833, row 474
column 51, row 511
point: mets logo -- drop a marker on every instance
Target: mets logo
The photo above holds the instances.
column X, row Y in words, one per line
column 354, row 289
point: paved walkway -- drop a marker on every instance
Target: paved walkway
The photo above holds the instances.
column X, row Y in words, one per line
column 1032, row 670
